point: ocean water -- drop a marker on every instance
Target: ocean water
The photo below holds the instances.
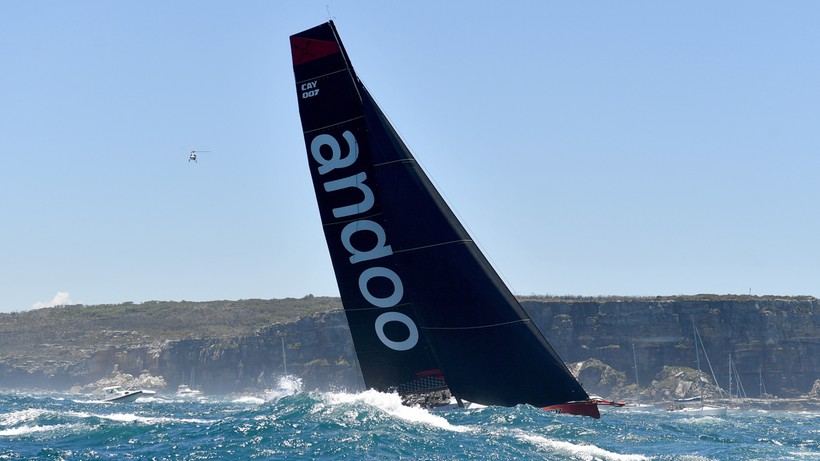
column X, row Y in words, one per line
column 293, row 424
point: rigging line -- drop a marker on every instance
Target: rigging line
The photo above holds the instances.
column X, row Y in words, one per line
column 699, row 339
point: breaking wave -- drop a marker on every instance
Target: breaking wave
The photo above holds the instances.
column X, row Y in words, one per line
column 289, row 423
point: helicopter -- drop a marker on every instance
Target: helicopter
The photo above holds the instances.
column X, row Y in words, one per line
column 192, row 155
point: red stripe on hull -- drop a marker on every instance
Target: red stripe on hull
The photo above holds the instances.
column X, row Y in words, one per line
column 584, row 408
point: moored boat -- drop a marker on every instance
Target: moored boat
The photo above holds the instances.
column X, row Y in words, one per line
column 703, row 410
column 696, row 405
column 185, row 391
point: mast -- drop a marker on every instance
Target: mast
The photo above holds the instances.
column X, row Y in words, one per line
column 740, row 391
column 697, row 359
column 635, row 367
column 699, row 344
column 284, row 356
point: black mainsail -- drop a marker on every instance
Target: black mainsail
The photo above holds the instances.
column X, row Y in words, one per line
column 426, row 309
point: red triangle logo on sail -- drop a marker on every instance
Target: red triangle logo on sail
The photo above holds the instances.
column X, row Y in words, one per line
column 307, row 49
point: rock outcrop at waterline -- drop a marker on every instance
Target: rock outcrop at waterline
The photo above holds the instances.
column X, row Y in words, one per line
column 774, row 342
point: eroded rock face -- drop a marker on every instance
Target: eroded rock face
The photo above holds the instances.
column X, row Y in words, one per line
column 773, row 340
column 814, row 393
column 599, row 378
column 316, row 348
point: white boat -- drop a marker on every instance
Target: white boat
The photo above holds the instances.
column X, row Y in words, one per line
column 639, row 407
column 184, row 391
column 118, row 394
column 637, row 404
column 699, row 408
column 705, row 410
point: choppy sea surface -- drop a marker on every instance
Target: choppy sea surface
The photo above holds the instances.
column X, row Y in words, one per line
column 375, row 426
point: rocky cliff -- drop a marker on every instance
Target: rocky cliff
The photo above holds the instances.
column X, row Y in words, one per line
column 773, row 342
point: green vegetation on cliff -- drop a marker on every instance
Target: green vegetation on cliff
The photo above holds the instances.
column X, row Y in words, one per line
column 238, row 344
column 59, row 332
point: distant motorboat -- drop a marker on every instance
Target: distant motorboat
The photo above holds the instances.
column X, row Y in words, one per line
column 187, row 390
column 119, row 394
column 184, row 391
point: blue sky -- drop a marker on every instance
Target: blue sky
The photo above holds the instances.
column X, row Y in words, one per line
column 591, row 148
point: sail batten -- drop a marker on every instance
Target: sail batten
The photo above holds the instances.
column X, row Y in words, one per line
column 452, row 242
column 321, row 128
column 322, row 76
column 477, row 327
column 401, row 160
column 348, row 221
column 425, row 308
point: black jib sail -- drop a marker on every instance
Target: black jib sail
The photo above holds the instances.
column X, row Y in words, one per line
column 425, row 308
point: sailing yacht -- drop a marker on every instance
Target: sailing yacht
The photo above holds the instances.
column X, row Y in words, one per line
column 738, row 399
column 700, row 409
column 427, row 312
column 637, row 404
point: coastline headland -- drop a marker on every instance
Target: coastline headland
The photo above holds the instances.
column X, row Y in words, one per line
column 621, row 347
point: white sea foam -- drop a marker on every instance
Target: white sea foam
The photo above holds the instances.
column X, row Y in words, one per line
column 285, row 386
column 805, row 454
column 576, row 451
column 134, row 418
column 249, row 400
column 25, row 429
column 21, row 416
column 391, row 404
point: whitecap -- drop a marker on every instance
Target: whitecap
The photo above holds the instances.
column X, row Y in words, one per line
column 121, row 417
column 21, row 416
column 805, row 454
column 25, row 430
column 134, row 418
column 577, row 451
column 249, row 400
column 391, row 404
column 286, row 385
